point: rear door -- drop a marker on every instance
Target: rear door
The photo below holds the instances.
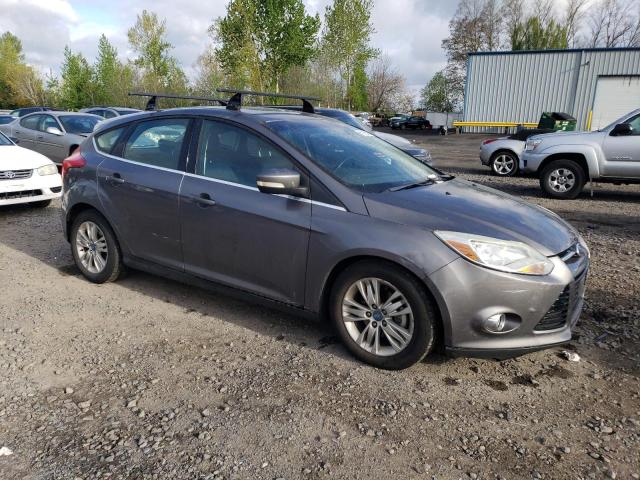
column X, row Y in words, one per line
column 25, row 131
column 622, row 153
column 232, row 233
column 49, row 144
column 139, row 184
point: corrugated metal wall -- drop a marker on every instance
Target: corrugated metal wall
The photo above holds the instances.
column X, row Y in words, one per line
column 518, row 87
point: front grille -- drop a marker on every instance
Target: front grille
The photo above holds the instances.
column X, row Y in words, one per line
column 20, row 194
column 563, row 308
column 15, row 174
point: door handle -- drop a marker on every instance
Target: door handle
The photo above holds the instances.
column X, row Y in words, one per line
column 115, row 179
column 204, row 200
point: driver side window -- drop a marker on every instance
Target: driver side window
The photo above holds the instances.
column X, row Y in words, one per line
column 635, row 125
column 47, row 122
column 235, row 155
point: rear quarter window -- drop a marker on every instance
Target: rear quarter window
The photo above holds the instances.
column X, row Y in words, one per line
column 107, row 140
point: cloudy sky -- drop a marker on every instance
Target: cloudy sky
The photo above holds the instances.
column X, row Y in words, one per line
column 409, row 31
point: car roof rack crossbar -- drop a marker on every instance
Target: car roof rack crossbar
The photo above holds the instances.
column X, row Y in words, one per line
column 235, row 102
column 153, row 100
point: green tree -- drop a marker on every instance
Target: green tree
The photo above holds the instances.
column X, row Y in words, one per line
column 357, row 91
column 20, row 84
column 76, row 87
column 532, row 34
column 159, row 69
column 437, row 95
column 286, row 36
column 261, row 40
column 346, row 37
column 107, row 72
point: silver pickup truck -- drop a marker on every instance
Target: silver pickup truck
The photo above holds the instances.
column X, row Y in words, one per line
column 564, row 162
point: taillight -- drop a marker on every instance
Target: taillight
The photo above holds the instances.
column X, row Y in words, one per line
column 76, row 160
column 491, row 140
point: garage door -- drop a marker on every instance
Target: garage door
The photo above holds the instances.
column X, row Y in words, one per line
column 615, row 96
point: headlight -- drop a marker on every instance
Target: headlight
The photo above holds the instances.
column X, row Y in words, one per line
column 50, row 169
column 532, row 144
column 503, row 255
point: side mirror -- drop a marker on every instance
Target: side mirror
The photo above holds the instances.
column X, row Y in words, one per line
column 622, row 129
column 54, row 131
column 281, row 181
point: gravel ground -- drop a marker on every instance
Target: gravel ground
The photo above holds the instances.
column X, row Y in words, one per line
column 148, row 378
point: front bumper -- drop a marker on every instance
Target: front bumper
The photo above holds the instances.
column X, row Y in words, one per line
column 530, row 162
column 545, row 308
column 485, row 156
column 36, row 188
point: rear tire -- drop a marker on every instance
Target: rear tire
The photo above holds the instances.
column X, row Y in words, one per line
column 95, row 248
column 40, row 204
column 504, row 164
column 401, row 331
column 562, row 179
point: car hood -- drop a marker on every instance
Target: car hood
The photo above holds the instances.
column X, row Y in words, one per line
column 566, row 138
column 462, row 206
column 17, row 158
column 395, row 140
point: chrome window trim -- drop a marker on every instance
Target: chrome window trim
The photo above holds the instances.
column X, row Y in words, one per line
column 215, row 180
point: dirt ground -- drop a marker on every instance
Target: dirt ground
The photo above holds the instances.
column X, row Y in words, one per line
column 148, row 378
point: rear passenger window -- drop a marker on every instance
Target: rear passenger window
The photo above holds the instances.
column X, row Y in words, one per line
column 157, row 142
column 235, row 155
column 106, row 141
column 31, row 122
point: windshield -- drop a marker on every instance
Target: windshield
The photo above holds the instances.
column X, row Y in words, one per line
column 622, row 119
column 79, row 123
column 356, row 158
column 4, row 140
column 344, row 117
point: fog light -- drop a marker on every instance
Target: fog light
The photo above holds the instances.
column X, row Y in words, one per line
column 495, row 323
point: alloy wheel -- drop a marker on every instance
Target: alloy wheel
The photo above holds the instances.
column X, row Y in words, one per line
column 504, row 164
column 562, row 180
column 377, row 316
column 91, row 246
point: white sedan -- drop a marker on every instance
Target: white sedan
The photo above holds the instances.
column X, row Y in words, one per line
column 26, row 176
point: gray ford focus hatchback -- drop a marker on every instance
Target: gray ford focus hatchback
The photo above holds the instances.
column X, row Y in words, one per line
column 316, row 215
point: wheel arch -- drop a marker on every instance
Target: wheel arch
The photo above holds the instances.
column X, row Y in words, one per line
column 428, row 290
column 76, row 210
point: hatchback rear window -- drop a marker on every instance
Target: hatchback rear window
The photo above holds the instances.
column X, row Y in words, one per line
column 106, row 141
column 79, row 124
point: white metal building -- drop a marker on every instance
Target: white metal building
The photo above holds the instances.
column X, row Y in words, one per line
column 594, row 85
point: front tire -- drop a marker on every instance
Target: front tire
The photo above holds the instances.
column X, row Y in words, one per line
column 382, row 315
column 95, row 248
column 504, row 164
column 562, row 179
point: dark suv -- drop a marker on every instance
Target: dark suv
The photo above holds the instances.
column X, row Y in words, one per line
column 411, row 122
column 327, row 219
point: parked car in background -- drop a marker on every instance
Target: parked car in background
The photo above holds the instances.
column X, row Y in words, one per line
column 502, row 154
column 21, row 112
column 564, row 162
column 4, row 119
column 110, row 112
column 411, row 122
column 398, row 256
column 54, row 134
column 26, row 176
column 420, row 153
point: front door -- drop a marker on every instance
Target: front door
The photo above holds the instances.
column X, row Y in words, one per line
column 622, row 153
column 140, row 191
column 232, row 233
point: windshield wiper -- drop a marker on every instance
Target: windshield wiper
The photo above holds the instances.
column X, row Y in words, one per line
column 422, row 183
